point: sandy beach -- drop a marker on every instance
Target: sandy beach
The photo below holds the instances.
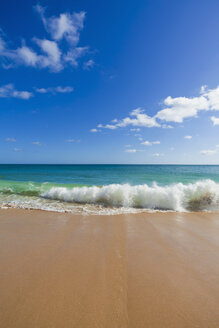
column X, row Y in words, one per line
column 142, row 270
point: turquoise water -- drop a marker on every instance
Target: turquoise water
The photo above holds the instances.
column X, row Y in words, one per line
column 111, row 188
column 108, row 174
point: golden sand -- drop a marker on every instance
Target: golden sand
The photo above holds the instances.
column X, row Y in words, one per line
column 142, row 270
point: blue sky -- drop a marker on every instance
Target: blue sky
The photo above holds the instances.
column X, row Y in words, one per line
column 109, row 81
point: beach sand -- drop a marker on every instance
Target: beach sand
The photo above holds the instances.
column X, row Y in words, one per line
column 133, row 270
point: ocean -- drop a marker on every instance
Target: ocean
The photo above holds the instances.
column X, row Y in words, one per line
column 110, row 189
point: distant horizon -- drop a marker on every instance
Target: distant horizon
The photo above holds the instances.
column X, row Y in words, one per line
column 109, row 164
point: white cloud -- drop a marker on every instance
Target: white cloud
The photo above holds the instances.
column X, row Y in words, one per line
column 2, row 42
column 88, row 64
column 130, row 151
column 133, row 150
column 48, row 57
column 146, row 143
column 42, row 90
column 64, row 89
column 150, row 143
column 37, row 143
column 188, row 137
column 166, row 126
column 215, row 120
column 73, row 140
column 27, row 55
column 74, row 54
column 156, row 142
column 213, row 97
column 52, row 59
column 94, row 130
column 55, row 90
column 107, row 126
column 8, row 91
column 138, row 118
column 135, row 129
column 10, row 140
column 17, row 149
column 65, row 26
column 53, row 54
column 208, row 152
column 110, row 126
column 175, row 110
column 157, row 155
column 180, row 108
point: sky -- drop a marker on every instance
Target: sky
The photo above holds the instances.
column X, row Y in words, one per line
column 95, row 82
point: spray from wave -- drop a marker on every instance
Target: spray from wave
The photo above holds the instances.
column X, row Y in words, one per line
column 202, row 195
column 112, row 199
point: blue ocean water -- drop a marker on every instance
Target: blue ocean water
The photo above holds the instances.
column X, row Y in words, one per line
column 67, row 187
column 109, row 174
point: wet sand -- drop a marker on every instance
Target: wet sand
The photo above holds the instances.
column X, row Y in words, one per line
column 142, row 270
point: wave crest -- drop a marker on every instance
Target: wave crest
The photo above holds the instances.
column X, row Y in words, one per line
column 201, row 195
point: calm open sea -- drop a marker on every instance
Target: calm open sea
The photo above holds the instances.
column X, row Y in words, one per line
column 110, row 189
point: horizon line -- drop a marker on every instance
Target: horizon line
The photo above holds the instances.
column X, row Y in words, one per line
column 190, row 164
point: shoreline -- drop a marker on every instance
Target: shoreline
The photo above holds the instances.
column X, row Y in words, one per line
column 118, row 198
column 142, row 211
column 128, row 270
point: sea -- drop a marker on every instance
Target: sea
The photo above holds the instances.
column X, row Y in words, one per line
column 110, row 189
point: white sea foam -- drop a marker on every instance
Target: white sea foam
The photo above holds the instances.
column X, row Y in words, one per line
column 33, row 203
column 201, row 195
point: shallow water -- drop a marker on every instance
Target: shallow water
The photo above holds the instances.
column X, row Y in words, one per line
column 110, row 189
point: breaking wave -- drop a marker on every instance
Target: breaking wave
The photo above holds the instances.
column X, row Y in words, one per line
column 198, row 196
column 201, row 195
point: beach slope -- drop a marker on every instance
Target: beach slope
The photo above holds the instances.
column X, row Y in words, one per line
column 133, row 270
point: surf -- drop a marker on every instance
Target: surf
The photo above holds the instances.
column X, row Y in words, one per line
column 201, row 195
column 198, row 196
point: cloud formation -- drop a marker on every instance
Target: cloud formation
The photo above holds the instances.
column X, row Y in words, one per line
column 73, row 140
column 8, row 91
column 10, row 140
column 157, row 155
column 54, row 90
column 135, row 129
column 137, row 118
column 208, row 152
column 181, row 107
column 88, row 64
column 150, row 143
column 130, row 150
column 66, row 26
column 107, row 126
column 55, row 52
column 175, row 110
column 215, row 120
